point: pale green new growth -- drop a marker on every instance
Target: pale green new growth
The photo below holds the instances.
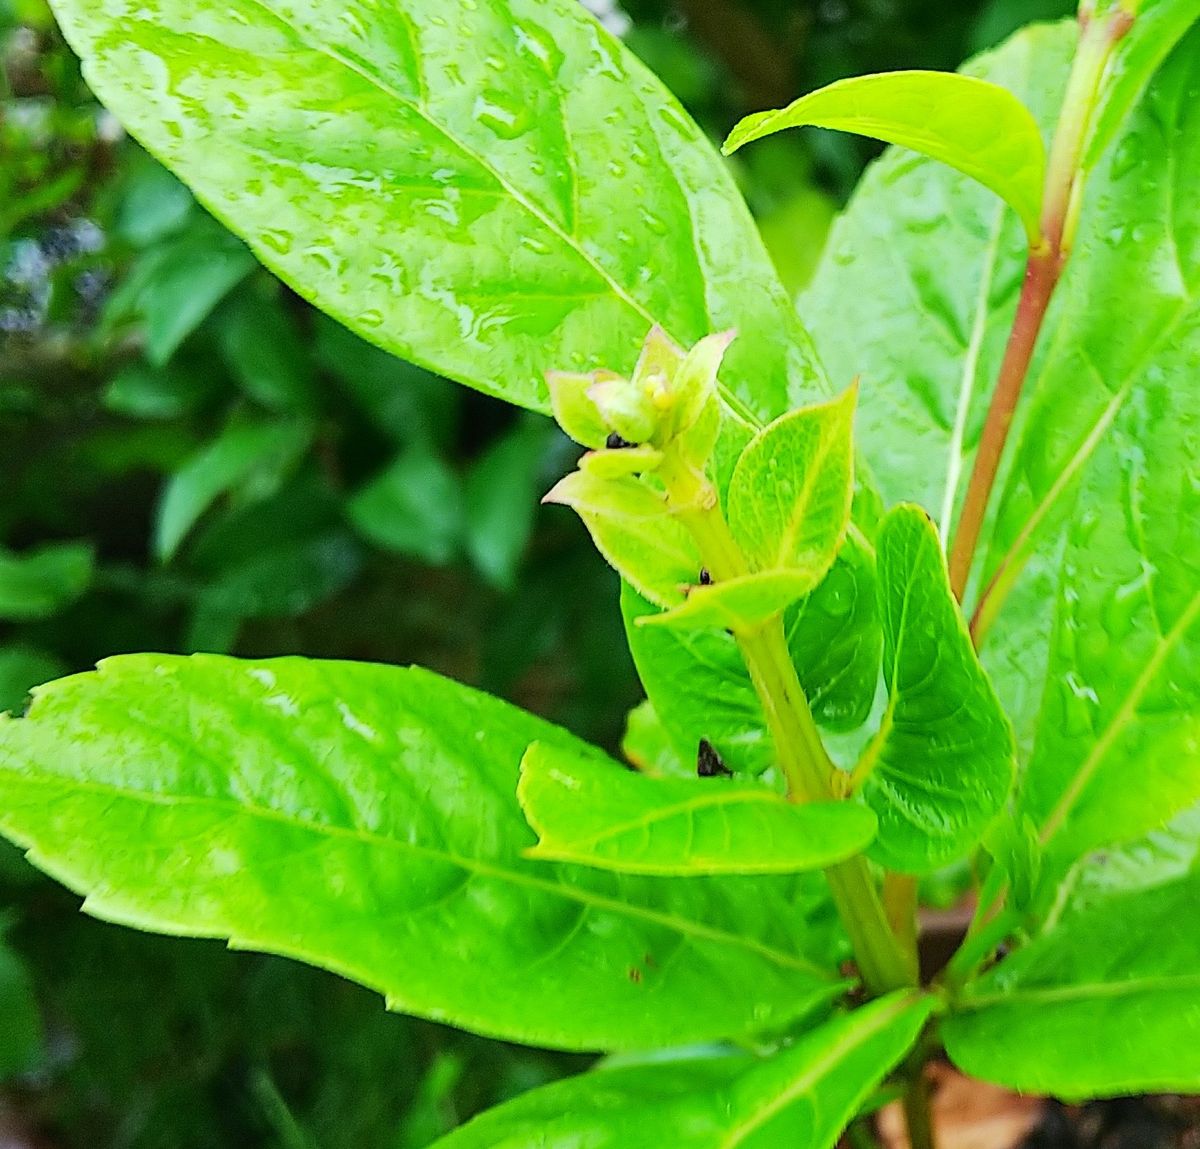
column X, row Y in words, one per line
column 978, row 128
column 597, row 813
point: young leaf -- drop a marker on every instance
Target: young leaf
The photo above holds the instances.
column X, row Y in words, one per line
column 363, row 818
column 1103, row 1003
column 976, row 127
column 1158, row 27
column 648, row 746
column 941, row 765
column 388, row 187
column 790, row 494
column 596, row 813
column 918, row 233
column 741, row 602
column 804, row 1095
column 38, row 582
column 632, row 528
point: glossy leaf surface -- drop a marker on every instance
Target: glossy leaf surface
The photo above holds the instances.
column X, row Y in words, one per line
column 597, row 813
column 918, row 294
column 492, row 192
column 1159, row 25
column 1105, row 1002
column 942, row 762
column 803, row 1095
column 363, row 818
column 789, row 497
column 979, row 128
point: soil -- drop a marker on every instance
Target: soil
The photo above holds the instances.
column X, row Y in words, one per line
column 974, row 1115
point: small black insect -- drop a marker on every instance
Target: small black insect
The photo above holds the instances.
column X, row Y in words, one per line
column 705, row 577
column 614, row 442
column 708, row 761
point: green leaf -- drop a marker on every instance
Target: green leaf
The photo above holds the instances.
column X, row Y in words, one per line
column 363, row 818
column 978, row 128
column 144, row 392
column 740, row 602
column 941, row 766
column 20, row 1020
column 23, row 667
column 632, row 528
column 918, row 293
column 500, row 495
column 789, row 497
column 1158, row 27
column 249, row 458
column 414, row 507
column 803, row 1095
column 1102, row 1003
column 173, row 287
column 493, row 196
column 698, row 683
column 265, row 351
column 596, row 813
column 648, row 747
column 40, row 581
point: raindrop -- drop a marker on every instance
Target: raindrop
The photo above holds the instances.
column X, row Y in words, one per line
column 501, row 114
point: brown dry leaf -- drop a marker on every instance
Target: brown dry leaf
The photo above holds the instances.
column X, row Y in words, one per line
column 967, row 1114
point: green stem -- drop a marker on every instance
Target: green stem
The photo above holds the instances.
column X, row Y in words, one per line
column 1047, row 259
column 917, row 1113
column 885, row 965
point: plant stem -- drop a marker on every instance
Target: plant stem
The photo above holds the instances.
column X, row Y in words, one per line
column 885, row 965
column 1043, row 272
column 918, row 1114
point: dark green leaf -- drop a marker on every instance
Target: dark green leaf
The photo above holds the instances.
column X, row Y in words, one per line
column 597, row 813
column 20, row 1019
column 38, row 582
column 265, row 352
column 804, row 1095
column 363, row 818
column 414, row 507
column 22, row 667
column 539, row 203
column 250, row 459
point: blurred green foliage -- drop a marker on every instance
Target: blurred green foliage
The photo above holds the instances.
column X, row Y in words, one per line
column 193, row 459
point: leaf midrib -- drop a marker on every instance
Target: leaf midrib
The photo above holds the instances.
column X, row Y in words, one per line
column 684, row 927
column 1077, row 991
column 733, row 400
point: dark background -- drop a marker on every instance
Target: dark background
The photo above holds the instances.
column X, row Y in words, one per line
column 193, row 459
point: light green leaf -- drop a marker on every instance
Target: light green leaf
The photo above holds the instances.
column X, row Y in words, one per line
column 40, row 581
column 1158, row 27
column 1106, row 1001
column 789, row 497
column 632, row 528
column 250, row 458
column 740, row 602
column 978, row 128
column 363, row 818
column 648, row 746
column 597, row 813
column 941, row 766
column 698, row 683
column 804, row 1095
column 918, row 293
column 493, row 195
column 414, row 507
